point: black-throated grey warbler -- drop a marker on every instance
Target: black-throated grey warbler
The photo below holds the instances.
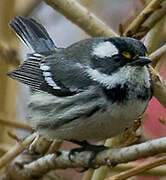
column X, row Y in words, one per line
column 91, row 90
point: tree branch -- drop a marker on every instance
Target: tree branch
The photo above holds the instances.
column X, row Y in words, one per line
column 146, row 19
column 153, row 38
column 78, row 14
column 157, row 171
column 26, row 7
column 17, row 149
column 155, row 56
column 9, row 55
column 159, row 86
column 108, row 157
column 16, row 124
column 145, row 166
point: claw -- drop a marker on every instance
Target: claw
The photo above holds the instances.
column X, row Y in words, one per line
column 94, row 149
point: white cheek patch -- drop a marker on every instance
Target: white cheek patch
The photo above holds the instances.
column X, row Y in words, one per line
column 105, row 49
column 99, row 77
column 127, row 73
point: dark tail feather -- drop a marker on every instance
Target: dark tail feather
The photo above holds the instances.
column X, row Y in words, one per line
column 32, row 34
column 28, row 73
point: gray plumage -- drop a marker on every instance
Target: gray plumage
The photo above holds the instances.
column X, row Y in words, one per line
column 96, row 87
column 87, row 115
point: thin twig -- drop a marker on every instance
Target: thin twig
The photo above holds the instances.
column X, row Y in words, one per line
column 162, row 120
column 107, row 157
column 101, row 173
column 17, row 149
column 9, row 55
column 142, row 167
column 40, row 145
column 4, row 147
column 14, row 136
column 159, row 86
column 52, row 175
column 16, row 124
column 145, row 21
column 159, row 64
column 155, row 56
column 153, row 38
column 88, row 175
column 26, row 7
column 157, row 171
column 54, row 147
column 145, row 2
column 78, row 14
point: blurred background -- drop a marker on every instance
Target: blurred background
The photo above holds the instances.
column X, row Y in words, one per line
column 14, row 97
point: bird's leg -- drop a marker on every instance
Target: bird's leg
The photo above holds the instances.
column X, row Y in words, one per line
column 85, row 146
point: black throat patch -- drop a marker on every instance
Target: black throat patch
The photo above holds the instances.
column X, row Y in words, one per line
column 120, row 94
column 117, row 94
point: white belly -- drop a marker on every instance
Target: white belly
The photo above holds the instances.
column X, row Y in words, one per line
column 101, row 125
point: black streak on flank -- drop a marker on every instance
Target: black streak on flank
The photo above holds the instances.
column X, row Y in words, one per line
column 93, row 111
column 55, row 125
column 117, row 94
column 146, row 94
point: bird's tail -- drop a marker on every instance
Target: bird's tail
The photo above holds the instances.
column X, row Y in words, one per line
column 32, row 34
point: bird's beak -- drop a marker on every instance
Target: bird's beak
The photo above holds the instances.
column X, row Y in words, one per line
column 140, row 61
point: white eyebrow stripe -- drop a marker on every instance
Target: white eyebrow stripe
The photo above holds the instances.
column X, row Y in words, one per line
column 105, row 49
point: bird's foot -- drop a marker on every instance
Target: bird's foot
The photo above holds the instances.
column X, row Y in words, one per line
column 85, row 146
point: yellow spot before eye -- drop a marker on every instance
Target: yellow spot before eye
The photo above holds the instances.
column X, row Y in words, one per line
column 126, row 54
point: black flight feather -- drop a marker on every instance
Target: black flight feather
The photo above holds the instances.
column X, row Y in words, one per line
column 32, row 34
column 30, row 73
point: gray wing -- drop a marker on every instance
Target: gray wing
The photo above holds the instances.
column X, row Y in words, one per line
column 74, row 67
column 61, row 72
column 35, row 75
column 69, row 72
column 53, row 74
column 30, row 72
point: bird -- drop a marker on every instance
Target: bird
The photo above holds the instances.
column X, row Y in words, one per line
column 87, row 92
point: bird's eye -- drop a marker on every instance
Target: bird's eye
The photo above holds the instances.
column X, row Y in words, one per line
column 117, row 57
column 126, row 54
